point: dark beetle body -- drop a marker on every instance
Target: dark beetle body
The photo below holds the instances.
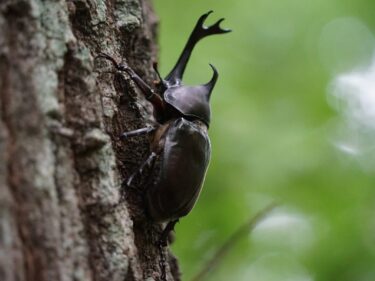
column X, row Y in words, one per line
column 179, row 140
column 192, row 101
column 185, row 156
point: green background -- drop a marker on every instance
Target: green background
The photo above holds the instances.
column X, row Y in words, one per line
column 273, row 135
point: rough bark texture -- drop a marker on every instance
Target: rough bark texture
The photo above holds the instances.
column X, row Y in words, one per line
column 64, row 214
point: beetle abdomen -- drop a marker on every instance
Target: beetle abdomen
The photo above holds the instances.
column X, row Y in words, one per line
column 184, row 162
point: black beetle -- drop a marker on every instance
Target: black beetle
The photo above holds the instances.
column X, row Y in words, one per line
column 180, row 136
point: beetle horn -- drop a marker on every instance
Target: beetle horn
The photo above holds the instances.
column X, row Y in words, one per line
column 210, row 85
column 200, row 31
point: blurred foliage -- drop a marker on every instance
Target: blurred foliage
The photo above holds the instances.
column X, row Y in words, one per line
column 273, row 134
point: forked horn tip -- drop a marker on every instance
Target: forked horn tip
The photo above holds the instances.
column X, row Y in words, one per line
column 209, row 12
column 204, row 16
column 222, row 30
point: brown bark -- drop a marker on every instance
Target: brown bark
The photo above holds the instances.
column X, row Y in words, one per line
column 64, row 212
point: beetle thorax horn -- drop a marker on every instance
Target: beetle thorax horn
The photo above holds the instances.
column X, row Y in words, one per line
column 210, row 85
column 192, row 101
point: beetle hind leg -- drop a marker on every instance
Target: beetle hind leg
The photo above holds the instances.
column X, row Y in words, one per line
column 147, row 163
column 163, row 240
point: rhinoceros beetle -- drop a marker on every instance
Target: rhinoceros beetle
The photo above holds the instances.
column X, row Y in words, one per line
column 180, row 137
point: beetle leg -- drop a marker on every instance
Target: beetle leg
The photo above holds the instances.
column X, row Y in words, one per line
column 149, row 93
column 147, row 163
column 200, row 31
column 138, row 132
column 163, row 241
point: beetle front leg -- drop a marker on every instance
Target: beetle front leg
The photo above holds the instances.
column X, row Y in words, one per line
column 148, row 92
column 147, row 163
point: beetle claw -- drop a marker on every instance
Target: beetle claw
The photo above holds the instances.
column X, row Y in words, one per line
column 108, row 57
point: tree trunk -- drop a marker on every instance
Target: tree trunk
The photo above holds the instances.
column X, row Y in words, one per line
column 65, row 214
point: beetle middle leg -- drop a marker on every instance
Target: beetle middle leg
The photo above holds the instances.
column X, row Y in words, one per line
column 147, row 163
column 137, row 132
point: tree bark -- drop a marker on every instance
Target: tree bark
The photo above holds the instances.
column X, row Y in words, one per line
column 64, row 211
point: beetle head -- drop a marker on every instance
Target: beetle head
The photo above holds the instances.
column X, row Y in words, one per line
column 192, row 101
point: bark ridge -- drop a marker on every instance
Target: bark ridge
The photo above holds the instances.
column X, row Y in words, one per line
column 62, row 213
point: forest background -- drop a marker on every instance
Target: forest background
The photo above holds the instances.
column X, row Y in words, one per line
column 293, row 122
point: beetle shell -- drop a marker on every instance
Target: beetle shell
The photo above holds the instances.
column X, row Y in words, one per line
column 192, row 101
column 189, row 101
column 185, row 157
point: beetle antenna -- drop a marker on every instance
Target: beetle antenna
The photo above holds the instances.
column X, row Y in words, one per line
column 161, row 80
